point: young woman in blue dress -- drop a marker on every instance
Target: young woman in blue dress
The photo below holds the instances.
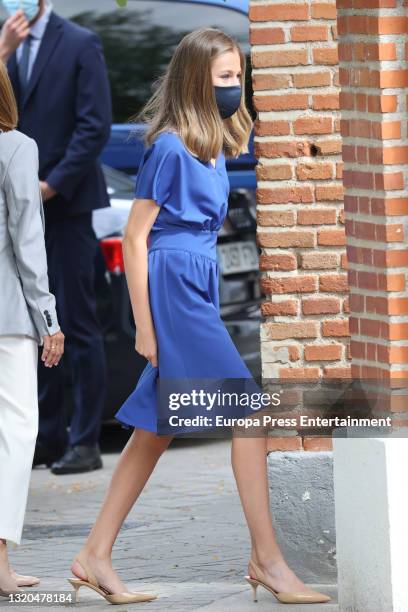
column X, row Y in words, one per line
column 196, row 117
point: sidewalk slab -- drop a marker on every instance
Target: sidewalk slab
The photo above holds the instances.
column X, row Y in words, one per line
column 242, row 602
column 186, row 538
column 187, row 596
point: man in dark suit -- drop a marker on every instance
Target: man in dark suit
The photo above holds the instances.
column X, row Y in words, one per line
column 59, row 76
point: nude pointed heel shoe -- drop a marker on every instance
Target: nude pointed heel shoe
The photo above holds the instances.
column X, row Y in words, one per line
column 26, row 581
column 254, row 584
column 127, row 597
column 282, row 596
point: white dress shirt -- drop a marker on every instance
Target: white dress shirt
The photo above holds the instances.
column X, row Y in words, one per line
column 37, row 32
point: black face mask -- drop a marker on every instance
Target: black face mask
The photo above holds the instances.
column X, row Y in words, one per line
column 228, row 99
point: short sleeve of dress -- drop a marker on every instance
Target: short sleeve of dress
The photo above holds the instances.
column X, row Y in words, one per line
column 155, row 173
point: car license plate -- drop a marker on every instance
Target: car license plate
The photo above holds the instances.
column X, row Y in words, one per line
column 238, row 257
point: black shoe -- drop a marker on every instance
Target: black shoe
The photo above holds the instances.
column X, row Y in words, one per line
column 78, row 459
column 46, row 456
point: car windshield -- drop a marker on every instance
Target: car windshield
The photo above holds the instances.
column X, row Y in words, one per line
column 138, row 41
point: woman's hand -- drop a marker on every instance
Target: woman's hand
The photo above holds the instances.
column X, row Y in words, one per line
column 146, row 345
column 53, row 349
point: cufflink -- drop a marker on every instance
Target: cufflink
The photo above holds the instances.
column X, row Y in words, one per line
column 48, row 317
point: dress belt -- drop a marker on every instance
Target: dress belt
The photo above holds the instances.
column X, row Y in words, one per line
column 202, row 242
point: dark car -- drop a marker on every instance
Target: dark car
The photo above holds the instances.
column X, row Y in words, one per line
column 138, row 43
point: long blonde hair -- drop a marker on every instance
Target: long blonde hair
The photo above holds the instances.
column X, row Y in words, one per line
column 184, row 99
column 8, row 105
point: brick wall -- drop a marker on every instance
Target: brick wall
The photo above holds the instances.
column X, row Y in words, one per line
column 300, row 195
column 374, row 78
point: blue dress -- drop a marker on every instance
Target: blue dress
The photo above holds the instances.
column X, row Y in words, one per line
column 183, row 274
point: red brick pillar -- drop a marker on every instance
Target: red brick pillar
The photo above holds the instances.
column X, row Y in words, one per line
column 373, row 51
column 300, row 194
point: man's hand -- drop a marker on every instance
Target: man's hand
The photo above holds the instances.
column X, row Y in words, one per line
column 53, row 349
column 14, row 31
column 47, row 192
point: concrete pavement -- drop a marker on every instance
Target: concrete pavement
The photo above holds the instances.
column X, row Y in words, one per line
column 185, row 539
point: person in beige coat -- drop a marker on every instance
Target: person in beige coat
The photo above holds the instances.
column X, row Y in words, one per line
column 27, row 319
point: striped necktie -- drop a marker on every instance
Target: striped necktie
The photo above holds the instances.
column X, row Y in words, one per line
column 24, row 64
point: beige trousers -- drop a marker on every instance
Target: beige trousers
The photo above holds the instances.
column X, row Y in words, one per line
column 18, row 430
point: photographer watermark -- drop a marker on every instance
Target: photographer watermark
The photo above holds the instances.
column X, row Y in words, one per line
column 39, row 598
column 214, row 407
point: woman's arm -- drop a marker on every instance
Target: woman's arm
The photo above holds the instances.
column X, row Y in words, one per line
column 26, row 228
column 141, row 218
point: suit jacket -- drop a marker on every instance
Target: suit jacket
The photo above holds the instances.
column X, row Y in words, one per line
column 26, row 306
column 67, row 110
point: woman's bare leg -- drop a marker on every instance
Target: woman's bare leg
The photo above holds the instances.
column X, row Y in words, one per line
column 133, row 470
column 250, row 470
